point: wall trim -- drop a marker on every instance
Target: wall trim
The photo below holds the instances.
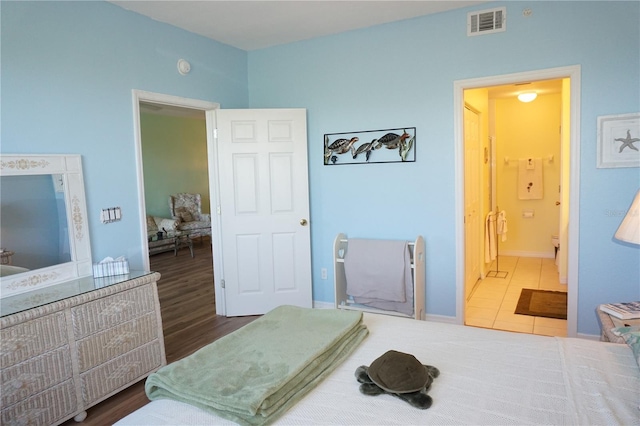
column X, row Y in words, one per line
column 522, row 253
column 441, row 318
column 572, row 72
column 317, row 304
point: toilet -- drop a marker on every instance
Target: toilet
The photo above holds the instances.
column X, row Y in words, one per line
column 555, row 240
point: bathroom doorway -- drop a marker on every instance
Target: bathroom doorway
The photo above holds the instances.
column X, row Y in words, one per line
column 511, row 131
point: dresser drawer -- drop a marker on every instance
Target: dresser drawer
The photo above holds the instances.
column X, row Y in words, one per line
column 110, row 311
column 35, row 375
column 46, row 408
column 104, row 346
column 32, row 338
column 123, row 371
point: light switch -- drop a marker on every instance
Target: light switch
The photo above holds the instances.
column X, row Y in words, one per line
column 110, row 214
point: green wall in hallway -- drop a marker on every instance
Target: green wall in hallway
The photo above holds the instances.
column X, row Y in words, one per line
column 174, row 158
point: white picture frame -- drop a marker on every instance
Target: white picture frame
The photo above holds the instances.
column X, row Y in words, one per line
column 618, row 141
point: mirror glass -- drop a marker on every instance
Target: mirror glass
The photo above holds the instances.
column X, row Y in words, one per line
column 44, row 235
column 33, row 210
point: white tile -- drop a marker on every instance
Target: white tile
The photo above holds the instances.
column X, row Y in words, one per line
column 509, row 316
column 550, row 322
column 509, row 305
column 494, row 299
column 492, row 282
column 480, row 313
column 520, row 284
column 549, row 331
column 479, row 322
column 529, row 261
column 490, row 303
column 490, row 293
column 510, row 326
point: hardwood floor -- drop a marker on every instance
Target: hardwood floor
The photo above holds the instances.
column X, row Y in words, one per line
column 187, row 304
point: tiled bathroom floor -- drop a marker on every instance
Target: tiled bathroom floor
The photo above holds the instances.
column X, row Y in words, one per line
column 494, row 300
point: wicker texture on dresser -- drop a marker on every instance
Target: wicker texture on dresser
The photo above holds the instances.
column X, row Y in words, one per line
column 59, row 359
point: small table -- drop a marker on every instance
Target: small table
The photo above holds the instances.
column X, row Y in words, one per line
column 184, row 237
column 173, row 240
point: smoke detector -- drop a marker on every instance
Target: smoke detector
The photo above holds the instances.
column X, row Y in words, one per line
column 183, row 67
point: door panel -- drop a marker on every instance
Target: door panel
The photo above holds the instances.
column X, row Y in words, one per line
column 264, row 199
column 472, row 179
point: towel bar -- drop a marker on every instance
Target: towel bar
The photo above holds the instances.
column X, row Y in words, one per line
column 344, row 301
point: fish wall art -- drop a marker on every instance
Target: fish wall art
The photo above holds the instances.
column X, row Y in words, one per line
column 370, row 146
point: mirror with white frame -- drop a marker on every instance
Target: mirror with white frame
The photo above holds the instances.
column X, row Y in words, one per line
column 44, row 232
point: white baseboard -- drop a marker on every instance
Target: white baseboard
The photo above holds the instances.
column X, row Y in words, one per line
column 323, row 305
column 521, row 253
column 441, row 318
column 588, row 336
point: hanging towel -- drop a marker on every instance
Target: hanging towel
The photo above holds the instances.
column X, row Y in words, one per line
column 378, row 269
column 490, row 244
column 530, row 179
column 501, row 224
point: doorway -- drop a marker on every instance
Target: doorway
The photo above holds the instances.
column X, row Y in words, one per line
column 489, row 191
column 276, row 151
column 175, row 107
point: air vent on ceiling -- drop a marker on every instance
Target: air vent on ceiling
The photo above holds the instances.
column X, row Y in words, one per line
column 487, row 21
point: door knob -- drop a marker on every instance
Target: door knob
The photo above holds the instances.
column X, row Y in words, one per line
column 557, row 203
column 303, row 222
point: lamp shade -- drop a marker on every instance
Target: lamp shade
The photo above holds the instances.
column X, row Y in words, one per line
column 629, row 229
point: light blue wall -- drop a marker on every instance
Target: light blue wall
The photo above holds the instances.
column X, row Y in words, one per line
column 68, row 69
column 402, row 74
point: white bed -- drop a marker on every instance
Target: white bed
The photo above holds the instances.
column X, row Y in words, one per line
column 486, row 377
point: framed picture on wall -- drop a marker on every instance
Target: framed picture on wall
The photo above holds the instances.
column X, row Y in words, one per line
column 619, row 141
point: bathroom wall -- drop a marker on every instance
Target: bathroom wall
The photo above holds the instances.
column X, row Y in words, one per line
column 528, row 130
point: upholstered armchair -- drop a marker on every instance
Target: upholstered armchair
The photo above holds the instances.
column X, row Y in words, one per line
column 188, row 209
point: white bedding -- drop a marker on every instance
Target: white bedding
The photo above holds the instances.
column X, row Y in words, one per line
column 486, row 377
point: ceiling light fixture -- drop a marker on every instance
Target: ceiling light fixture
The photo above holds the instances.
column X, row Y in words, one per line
column 527, row 96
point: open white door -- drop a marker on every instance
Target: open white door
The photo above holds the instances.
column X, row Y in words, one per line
column 472, row 207
column 264, row 208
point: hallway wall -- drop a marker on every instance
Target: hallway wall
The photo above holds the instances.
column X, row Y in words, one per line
column 174, row 157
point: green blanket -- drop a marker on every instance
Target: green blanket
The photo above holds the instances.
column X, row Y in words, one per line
column 255, row 374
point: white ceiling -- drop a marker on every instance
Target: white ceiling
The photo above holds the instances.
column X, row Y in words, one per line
column 251, row 25
column 543, row 87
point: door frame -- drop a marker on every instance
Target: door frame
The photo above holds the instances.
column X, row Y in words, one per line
column 479, row 189
column 209, row 109
column 573, row 73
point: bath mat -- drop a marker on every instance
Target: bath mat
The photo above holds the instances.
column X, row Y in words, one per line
column 542, row 303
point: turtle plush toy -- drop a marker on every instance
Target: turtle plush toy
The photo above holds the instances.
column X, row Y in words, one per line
column 398, row 374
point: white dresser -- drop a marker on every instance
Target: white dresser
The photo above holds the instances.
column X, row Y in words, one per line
column 67, row 347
